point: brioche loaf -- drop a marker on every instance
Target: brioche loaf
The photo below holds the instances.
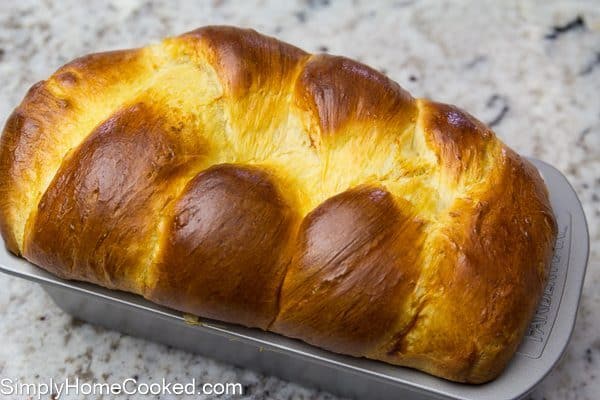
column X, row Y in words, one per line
column 229, row 175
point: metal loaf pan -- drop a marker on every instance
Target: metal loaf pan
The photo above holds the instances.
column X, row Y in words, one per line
column 347, row 376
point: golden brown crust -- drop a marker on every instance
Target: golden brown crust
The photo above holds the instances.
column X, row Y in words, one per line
column 459, row 141
column 92, row 220
column 244, row 59
column 230, row 175
column 352, row 271
column 224, row 252
column 492, row 249
column 337, row 91
column 32, row 147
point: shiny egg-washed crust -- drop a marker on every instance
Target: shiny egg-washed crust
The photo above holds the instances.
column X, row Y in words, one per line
column 226, row 174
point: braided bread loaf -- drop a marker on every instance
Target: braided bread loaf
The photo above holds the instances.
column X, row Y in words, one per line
column 230, row 175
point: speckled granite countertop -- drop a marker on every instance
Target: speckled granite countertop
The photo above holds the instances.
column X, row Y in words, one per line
column 529, row 69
